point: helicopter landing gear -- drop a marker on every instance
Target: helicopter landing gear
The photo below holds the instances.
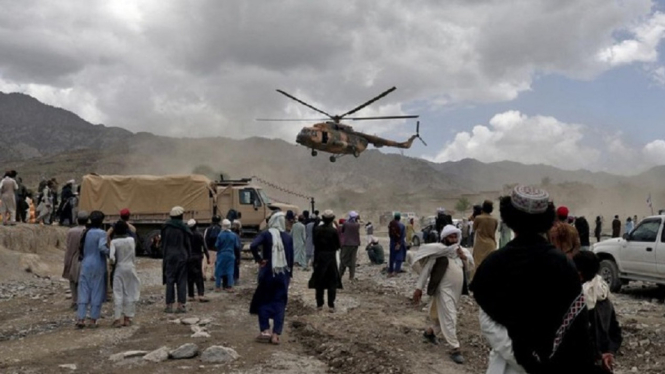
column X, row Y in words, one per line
column 333, row 158
column 314, row 153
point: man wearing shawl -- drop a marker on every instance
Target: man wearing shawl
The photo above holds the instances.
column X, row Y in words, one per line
column 227, row 244
column 532, row 306
column 445, row 265
column 484, row 228
column 299, row 235
column 273, row 251
column 605, row 329
column 326, row 274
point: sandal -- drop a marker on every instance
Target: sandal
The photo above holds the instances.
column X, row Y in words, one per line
column 264, row 337
column 128, row 322
column 117, row 323
column 80, row 324
column 274, row 340
column 181, row 310
column 168, row 309
column 93, row 324
column 203, row 300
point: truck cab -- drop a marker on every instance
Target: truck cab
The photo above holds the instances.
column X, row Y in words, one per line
column 639, row 255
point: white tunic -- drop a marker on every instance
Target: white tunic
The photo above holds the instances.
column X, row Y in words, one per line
column 502, row 359
column 126, row 284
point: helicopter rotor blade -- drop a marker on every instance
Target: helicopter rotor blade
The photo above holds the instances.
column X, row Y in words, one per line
column 368, row 103
column 304, row 103
column 381, row 117
column 290, row 120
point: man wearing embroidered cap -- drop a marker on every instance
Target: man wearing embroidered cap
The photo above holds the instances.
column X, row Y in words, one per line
column 177, row 247
column 532, row 309
column 564, row 235
column 445, row 265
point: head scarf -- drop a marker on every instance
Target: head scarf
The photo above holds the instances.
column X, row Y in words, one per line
column 450, row 229
column 277, row 225
column 226, row 225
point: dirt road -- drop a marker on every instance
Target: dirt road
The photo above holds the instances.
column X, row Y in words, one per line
column 375, row 329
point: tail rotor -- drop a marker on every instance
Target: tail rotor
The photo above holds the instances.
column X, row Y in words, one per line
column 418, row 133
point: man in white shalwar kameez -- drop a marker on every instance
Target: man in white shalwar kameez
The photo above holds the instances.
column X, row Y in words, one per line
column 126, row 284
column 450, row 276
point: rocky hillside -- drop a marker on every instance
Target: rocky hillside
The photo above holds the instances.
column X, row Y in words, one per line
column 65, row 146
column 32, row 129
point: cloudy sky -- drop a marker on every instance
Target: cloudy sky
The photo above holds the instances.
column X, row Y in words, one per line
column 570, row 83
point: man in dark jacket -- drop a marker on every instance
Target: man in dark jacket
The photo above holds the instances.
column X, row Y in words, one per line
column 326, row 274
column 349, row 255
column 194, row 264
column 176, row 247
column 582, row 227
column 616, row 227
column 531, row 297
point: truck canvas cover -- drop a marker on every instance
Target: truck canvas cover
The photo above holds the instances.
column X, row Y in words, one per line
column 146, row 194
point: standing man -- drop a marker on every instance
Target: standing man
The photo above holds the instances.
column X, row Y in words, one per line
column 21, row 203
column 397, row 233
column 195, row 262
column 599, row 228
column 484, row 226
column 93, row 269
column 309, row 240
column 582, row 227
column 210, row 236
column 349, row 255
column 326, row 275
column 8, row 189
column 273, row 251
column 548, row 330
column 299, row 235
column 72, row 267
column 616, row 227
column 227, row 244
column 176, row 246
column 630, row 225
column 564, row 236
column 110, row 235
column 444, row 264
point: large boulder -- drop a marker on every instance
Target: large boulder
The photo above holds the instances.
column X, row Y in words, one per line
column 219, row 354
column 188, row 350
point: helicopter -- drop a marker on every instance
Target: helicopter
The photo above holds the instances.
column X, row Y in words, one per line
column 340, row 139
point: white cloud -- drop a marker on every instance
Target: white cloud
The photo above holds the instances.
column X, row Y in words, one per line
column 642, row 48
column 517, row 137
column 655, row 152
column 211, row 67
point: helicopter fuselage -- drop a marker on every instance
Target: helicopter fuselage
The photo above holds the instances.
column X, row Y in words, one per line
column 331, row 137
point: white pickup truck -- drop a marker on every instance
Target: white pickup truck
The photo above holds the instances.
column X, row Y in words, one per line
column 638, row 256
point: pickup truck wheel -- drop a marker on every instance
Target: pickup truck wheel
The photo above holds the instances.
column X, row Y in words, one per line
column 610, row 273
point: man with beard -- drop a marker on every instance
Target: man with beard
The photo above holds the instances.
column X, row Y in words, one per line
column 445, row 265
column 533, row 312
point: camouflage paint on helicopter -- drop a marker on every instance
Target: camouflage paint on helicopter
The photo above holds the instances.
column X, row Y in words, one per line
column 340, row 139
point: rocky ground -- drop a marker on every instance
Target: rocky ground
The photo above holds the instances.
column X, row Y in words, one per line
column 376, row 329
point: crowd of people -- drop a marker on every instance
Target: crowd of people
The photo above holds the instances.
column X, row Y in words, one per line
column 19, row 204
column 560, row 320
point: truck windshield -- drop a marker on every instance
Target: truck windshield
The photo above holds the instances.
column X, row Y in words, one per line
column 264, row 197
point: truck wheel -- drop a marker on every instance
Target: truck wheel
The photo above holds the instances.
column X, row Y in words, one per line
column 416, row 241
column 610, row 273
column 147, row 244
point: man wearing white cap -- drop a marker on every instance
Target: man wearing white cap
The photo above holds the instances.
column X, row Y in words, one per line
column 227, row 244
column 445, row 265
column 349, row 255
column 176, row 247
column 194, row 265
